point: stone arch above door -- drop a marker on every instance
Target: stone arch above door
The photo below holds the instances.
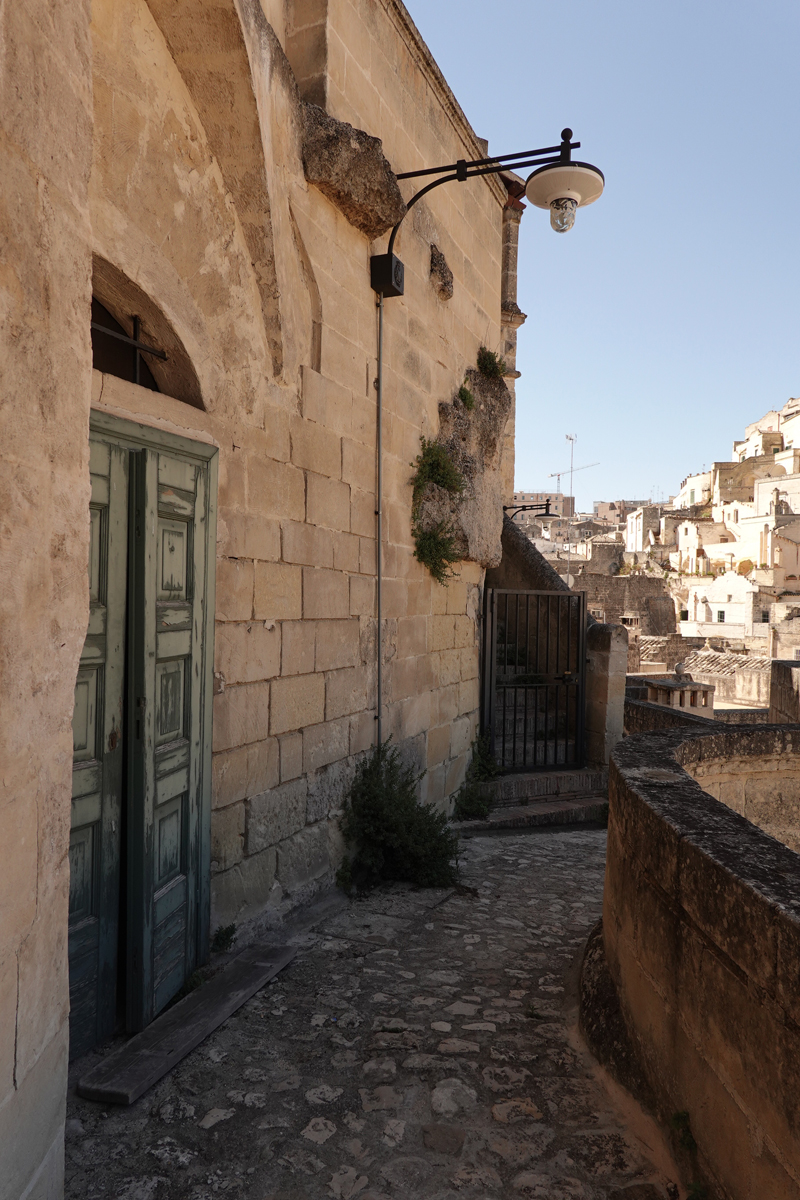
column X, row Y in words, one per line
column 124, row 299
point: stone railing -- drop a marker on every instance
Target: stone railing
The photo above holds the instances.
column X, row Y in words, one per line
column 699, row 1013
column 679, row 693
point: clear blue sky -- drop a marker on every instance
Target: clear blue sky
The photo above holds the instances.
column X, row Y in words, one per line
column 667, row 319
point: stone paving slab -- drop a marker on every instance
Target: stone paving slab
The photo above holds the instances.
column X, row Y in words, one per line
column 419, row 1047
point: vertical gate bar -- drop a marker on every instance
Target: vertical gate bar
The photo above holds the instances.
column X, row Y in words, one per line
column 559, row 611
column 488, row 641
column 538, row 630
column 581, row 721
column 536, row 692
column 513, row 741
column 505, row 638
column 504, row 692
column 546, row 722
column 527, row 635
column 547, row 638
column 525, row 729
column 516, row 672
column 568, row 692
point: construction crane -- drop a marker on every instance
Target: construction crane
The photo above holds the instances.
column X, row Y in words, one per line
column 557, row 474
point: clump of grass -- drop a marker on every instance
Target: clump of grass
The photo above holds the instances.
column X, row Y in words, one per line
column 392, row 835
column 466, row 397
column 223, row 939
column 471, row 804
column 491, row 364
column 434, row 465
column 434, row 547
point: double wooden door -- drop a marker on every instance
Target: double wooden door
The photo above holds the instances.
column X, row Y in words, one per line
column 139, row 844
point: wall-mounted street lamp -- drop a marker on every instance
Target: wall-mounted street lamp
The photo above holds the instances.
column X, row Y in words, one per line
column 557, row 183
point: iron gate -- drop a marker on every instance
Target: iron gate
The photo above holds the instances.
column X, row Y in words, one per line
column 534, row 678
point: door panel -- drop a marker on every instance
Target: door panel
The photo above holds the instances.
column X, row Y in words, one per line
column 170, row 496
column 97, row 759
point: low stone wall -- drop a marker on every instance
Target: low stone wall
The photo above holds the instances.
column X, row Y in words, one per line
column 744, row 716
column 701, row 934
column 643, row 717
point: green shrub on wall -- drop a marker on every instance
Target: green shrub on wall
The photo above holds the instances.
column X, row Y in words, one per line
column 466, row 397
column 435, row 546
column 490, row 364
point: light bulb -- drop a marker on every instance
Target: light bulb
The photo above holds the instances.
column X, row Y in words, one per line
column 562, row 214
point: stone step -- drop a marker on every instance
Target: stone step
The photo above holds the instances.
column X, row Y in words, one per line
column 573, row 810
column 534, row 785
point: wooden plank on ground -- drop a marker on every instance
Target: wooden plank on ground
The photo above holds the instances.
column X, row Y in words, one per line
column 127, row 1073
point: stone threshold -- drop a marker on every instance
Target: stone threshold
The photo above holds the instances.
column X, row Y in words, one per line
column 515, row 789
column 126, row 1074
column 567, row 810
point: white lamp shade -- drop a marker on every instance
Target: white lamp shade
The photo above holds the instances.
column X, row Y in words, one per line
column 565, row 181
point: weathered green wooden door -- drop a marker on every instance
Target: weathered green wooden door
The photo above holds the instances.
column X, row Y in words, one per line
column 142, row 729
column 168, row 719
column 97, row 778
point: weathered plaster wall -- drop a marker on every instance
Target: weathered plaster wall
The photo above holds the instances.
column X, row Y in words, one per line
column 45, row 370
column 701, row 936
column 286, row 375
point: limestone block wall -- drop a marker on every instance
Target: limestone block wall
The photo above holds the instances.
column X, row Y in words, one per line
column 701, row 937
column 152, row 153
column 45, row 360
column 288, row 396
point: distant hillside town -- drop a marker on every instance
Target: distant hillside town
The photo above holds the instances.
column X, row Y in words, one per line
column 715, row 570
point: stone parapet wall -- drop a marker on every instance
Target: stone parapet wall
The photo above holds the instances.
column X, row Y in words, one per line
column 643, row 717
column 701, row 931
column 761, row 780
column 743, row 716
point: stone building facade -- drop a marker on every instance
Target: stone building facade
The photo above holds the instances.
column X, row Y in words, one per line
column 180, row 176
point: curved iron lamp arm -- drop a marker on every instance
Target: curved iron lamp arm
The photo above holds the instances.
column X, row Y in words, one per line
column 384, row 270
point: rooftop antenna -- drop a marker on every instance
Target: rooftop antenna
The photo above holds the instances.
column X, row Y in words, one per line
column 572, row 439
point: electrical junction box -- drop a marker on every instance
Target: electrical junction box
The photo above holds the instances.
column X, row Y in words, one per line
column 387, row 275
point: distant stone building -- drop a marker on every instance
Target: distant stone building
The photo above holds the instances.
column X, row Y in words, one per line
column 560, row 505
column 615, row 512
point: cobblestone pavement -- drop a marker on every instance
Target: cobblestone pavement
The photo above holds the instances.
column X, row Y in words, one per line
column 420, row 1045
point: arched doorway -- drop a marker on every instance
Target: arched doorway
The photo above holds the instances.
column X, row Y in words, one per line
column 139, row 843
